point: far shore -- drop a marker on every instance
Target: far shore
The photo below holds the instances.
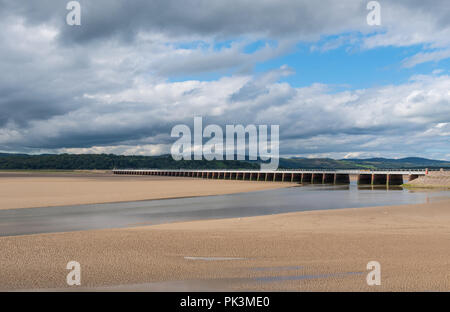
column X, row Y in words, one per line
column 29, row 189
column 433, row 180
column 426, row 186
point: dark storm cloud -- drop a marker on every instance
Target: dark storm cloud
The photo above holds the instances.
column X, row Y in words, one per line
column 106, row 83
column 199, row 18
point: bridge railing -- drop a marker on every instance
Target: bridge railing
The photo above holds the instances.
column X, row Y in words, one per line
column 346, row 171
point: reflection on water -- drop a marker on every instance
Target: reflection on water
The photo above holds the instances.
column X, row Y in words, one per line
column 278, row 268
column 303, row 277
column 111, row 215
column 380, row 187
column 213, row 258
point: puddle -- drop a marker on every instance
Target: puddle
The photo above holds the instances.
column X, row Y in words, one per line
column 277, row 268
column 213, row 258
column 303, row 277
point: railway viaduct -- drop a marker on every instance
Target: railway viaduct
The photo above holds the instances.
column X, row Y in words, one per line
column 312, row 176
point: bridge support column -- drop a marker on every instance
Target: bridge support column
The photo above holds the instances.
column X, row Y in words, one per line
column 278, row 176
column 394, row 179
column 306, row 178
column 296, row 177
column 340, row 178
column 287, row 177
column 328, row 178
column 317, row 178
column 365, row 179
column 379, row 179
column 269, row 176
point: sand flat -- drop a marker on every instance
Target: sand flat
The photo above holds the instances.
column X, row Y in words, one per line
column 302, row 251
column 25, row 190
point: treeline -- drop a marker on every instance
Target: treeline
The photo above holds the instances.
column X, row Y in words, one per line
column 110, row 161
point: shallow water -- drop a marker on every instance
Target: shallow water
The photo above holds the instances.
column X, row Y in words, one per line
column 126, row 214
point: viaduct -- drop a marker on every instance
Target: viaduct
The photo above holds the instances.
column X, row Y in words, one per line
column 365, row 177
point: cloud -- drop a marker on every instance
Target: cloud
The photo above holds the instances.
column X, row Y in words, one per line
column 141, row 150
column 107, row 85
column 312, row 119
column 404, row 22
column 424, row 57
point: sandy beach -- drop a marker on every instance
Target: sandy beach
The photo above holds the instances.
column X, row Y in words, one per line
column 42, row 189
column 303, row 251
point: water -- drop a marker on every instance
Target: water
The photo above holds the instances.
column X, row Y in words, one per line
column 114, row 215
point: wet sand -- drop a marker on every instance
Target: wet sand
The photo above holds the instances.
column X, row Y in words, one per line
column 324, row 250
column 43, row 189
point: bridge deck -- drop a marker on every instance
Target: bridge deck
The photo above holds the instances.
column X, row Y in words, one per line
column 340, row 171
column 313, row 176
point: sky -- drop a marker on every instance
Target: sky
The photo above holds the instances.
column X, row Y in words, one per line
column 119, row 82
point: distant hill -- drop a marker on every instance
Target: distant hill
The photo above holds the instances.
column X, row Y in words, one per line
column 7, row 154
column 409, row 162
column 314, row 163
column 110, row 161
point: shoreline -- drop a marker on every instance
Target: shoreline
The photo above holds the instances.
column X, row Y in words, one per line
column 73, row 189
column 426, row 187
column 159, row 199
column 433, row 180
column 299, row 251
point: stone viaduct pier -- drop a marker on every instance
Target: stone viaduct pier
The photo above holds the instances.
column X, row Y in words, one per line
column 311, row 176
